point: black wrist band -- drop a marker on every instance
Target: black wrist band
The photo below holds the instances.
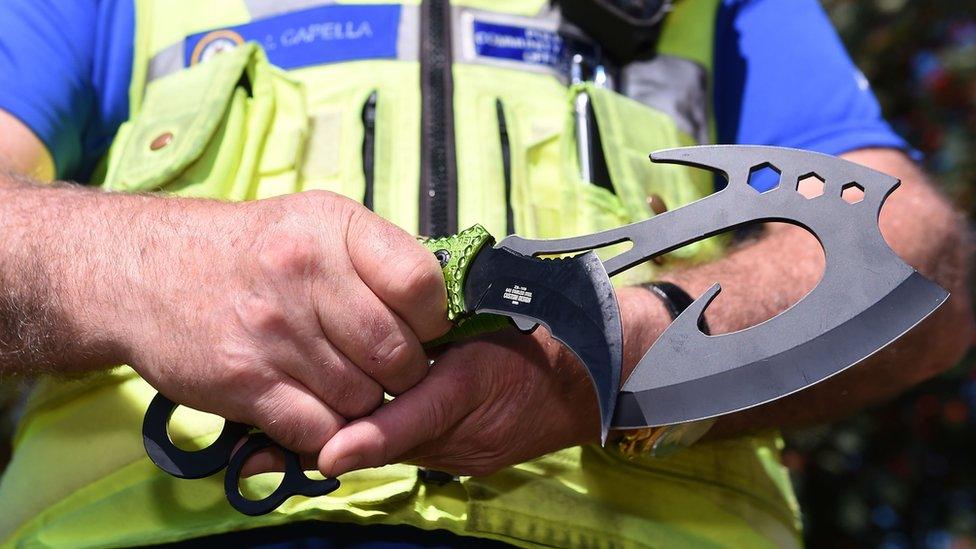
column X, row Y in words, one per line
column 675, row 299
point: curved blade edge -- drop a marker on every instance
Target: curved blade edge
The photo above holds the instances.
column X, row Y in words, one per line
column 780, row 375
column 572, row 297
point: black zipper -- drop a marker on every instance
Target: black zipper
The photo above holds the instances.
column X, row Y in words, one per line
column 506, row 166
column 369, row 145
column 438, row 168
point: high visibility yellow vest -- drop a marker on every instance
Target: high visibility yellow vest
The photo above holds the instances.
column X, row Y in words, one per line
column 233, row 126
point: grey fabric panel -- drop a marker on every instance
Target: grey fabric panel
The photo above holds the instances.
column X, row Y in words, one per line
column 260, row 9
column 167, row 61
column 677, row 87
column 408, row 41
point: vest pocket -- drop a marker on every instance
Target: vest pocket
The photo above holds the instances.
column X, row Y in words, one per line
column 345, row 148
column 629, row 132
column 601, row 210
column 233, row 128
column 550, row 194
column 557, row 202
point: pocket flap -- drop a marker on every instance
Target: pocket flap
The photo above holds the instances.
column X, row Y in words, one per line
column 629, row 132
column 181, row 114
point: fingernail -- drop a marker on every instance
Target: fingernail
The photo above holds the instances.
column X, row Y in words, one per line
column 346, row 464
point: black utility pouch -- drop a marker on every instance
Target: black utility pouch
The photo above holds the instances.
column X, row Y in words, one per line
column 627, row 30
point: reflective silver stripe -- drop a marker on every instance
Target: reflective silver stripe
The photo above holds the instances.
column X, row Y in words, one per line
column 167, row 61
column 408, row 41
column 675, row 86
column 548, row 20
column 259, row 9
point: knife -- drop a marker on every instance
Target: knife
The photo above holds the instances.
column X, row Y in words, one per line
column 867, row 298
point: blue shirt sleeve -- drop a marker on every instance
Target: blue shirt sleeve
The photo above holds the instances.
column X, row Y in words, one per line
column 64, row 71
column 783, row 77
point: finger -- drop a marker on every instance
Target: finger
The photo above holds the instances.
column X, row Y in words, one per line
column 334, row 379
column 420, row 415
column 292, row 416
column 402, row 273
column 375, row 339
column 289, row 335
column 268, row 460
column 272, row 460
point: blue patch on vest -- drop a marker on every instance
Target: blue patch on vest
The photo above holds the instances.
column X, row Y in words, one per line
column 327, row 34
column 520, row 44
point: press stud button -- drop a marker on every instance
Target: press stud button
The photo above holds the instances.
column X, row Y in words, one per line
column 161, row 141
column 657, row 204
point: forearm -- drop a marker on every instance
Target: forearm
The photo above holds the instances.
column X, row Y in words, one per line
column 55, row 253
column 70, row 258
column 763, row 277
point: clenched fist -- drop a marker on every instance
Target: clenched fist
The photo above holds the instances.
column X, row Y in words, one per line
column 292, row 314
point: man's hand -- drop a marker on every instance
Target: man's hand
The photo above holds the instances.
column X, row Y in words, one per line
column 491, row 403
column 292, row 314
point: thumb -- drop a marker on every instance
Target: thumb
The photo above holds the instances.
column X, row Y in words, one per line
column 420, row 415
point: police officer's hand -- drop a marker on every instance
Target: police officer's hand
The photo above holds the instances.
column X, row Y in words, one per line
column 293, row 314
column 491, row 403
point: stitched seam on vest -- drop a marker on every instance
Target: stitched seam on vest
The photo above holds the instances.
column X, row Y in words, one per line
column 476, row 519
column 771, row 507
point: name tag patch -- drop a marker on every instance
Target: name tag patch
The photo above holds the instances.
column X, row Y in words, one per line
column 517, row 42
column 326, row 34
column 522, row 44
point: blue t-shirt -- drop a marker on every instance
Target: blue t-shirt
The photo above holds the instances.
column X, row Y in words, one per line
column 782, row 77
column 64, row 71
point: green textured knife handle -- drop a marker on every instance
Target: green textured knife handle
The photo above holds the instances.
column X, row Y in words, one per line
column 455, row 254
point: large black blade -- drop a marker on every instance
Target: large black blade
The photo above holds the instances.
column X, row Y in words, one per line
column 866, row 298
column 740, row 377
column 571, row 297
